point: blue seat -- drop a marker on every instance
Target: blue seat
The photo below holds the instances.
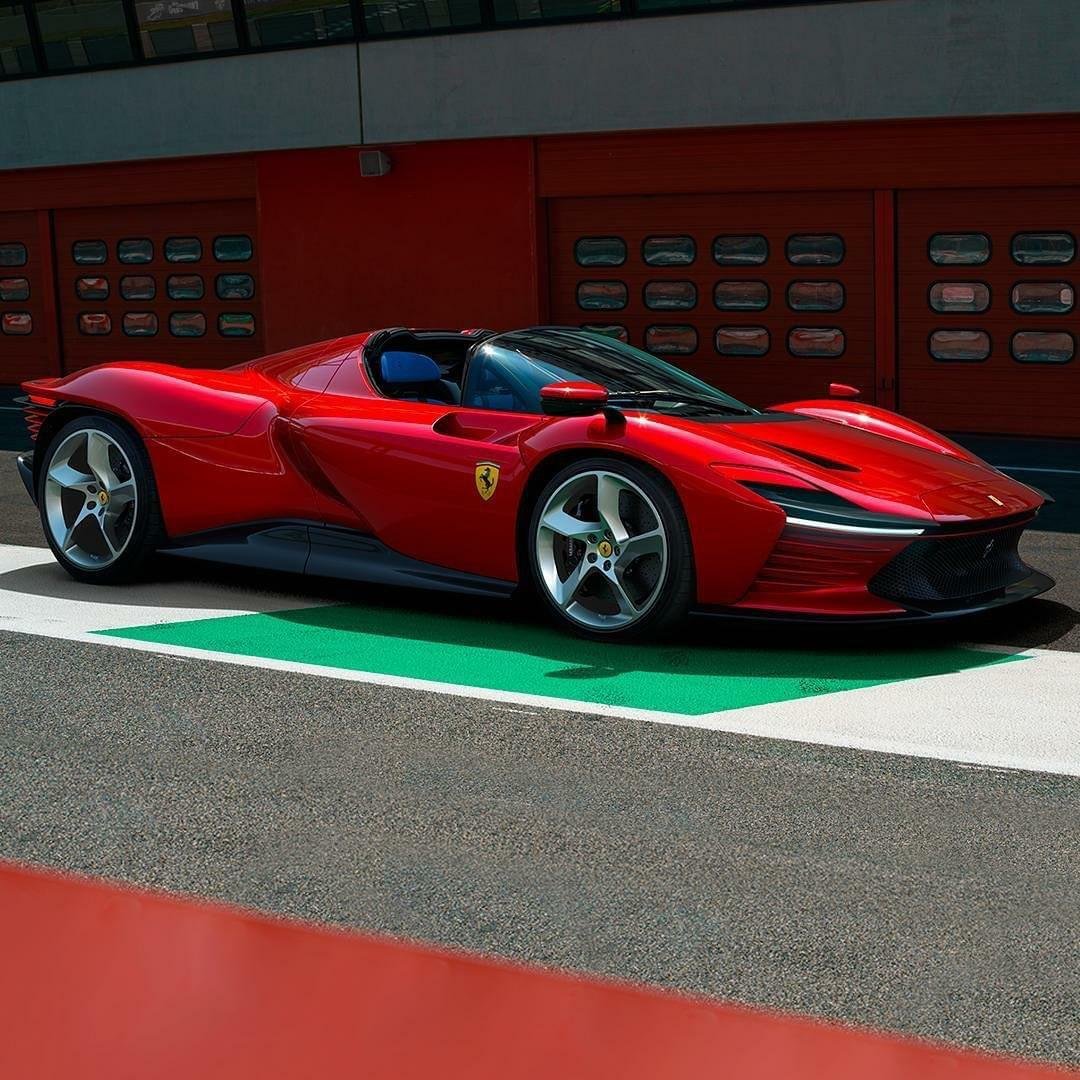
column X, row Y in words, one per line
column 416, row 377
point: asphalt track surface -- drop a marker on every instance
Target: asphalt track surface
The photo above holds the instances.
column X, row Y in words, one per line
column 903, row 893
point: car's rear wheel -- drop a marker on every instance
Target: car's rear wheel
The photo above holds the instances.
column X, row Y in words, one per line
column 610, row 550
column 98, row 502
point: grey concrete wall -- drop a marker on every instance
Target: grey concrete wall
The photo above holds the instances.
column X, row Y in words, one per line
column 300, row 98
column 871, row 60
column 864, row 60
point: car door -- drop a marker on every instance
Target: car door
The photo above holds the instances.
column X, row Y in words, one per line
column 434, row 482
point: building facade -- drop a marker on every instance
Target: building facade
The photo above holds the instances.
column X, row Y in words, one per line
column 879, row 192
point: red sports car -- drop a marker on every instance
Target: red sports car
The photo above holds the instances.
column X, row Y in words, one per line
column 621, row 489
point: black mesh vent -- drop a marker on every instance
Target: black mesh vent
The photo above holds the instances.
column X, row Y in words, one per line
column 941, row 571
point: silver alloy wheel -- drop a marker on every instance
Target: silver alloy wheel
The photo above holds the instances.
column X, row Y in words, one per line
column 602, row 550
column 90, row 499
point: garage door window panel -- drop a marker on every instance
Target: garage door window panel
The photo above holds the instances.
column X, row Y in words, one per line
column 135, row 251
column 234, row 286
column 1043, row 248
column 747, row 250
column 89, row 252
column 960, row 346
column 815, row 296
column 16, row 323
column 669, row 250
column 233, row 248
column 959, row 297
column 670, row 295
column 140, row 324
column 959, row 249
column 816, row 341
column 14, row 289
column 1042, row 297
column 95, row 323
column 12, row 254
column 185, row 287
column 183, row 249
column 600, row 251
column 602, row 295
column 92, row 288
column 611, row 330
column 138, row 287
column 815, row 249
column 671, row 340
column 1043, row 346
column 741, row 295
column 236, row 324
column 742, row 340
column 187, row 324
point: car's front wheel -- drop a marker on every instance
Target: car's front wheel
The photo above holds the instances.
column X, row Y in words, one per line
column 98, row 502
column 610, row 550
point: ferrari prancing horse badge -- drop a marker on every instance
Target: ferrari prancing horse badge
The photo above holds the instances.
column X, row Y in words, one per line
column 487, row 479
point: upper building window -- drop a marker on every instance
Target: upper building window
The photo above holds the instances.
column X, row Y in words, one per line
column 740, row 250
column 1043, row 248
column 600, row 251
column 16, row 52
column 513, row 11
column 200, row 26
column 89, row 252
column 297, row 22
column 383, row 17
column 12, row 254
column 669, row 250
column 135, row 251
column 815, row 249
column 959, row 249
column 232, row 248
column 183, row 249
column 83, row 33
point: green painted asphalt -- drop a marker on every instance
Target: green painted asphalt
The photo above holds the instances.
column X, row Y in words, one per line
column 528, row 658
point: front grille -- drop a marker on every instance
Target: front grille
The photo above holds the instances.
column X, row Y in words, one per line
column 950, row 571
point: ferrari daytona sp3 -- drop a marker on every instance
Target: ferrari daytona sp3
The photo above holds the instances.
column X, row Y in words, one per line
column 620, row 489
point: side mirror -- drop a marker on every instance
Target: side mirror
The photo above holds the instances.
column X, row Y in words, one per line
column 572, row 398
column 839, row 389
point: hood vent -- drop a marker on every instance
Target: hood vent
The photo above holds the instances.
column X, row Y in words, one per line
column 814, row 459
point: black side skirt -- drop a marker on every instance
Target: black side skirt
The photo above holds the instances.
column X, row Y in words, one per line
column 323, row 551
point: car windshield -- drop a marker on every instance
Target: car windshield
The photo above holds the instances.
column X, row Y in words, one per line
column 507, row 371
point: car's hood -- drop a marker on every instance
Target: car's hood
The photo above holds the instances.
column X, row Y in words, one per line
column 871, row 470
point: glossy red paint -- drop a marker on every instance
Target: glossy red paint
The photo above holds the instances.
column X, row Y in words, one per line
column 304, row 435
column 105, row 981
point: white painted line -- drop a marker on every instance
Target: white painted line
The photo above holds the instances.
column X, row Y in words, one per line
column 1019, row 715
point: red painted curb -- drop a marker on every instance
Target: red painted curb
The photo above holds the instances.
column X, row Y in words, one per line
column 101, row 981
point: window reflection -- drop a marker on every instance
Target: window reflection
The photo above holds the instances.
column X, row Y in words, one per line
column 297, row 22
column 14, row 288
column 600, row 251
column 741, row 295
column 83, row 33
column 670, row 295
column 816, row 341
column 742, row 340
column 959, row 296
column 16, row 323
column 1042, row 297
column 959, row 249
column 1043, row 346
column 178, row 27
column 187, row 324
column 418, row 16
column 16, row 53
column 669, row 250
column 601, row 295
column 960, row 345
column 671, row 340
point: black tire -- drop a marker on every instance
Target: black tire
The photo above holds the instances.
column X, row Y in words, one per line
column 673, row 595
column 144, row 535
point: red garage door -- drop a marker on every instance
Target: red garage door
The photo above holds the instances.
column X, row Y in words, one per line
column 988, row 316
column 769, row 296
column 27, row 328
column 176, row 283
